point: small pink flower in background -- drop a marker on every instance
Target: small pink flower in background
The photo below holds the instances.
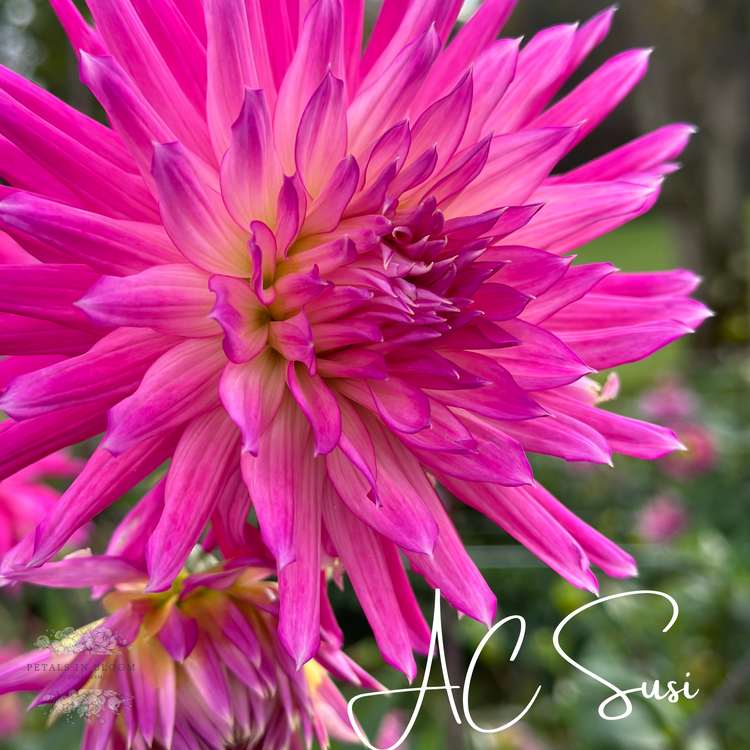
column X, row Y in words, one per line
column 677, row 406
column 25, row 499
column 204, row 668
column 11, row 707
column 700, row 455
column 663, row 519
column 671, row 400
column 319, row 281
column 391, row 728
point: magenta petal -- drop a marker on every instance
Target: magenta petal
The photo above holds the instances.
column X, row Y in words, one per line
column 293, row 339
column 299, row 581
column 201, row 466
column 521, row 517
column 273, row 478
column 198, row 224
column 322, row 137
column 242, row 317
column 251, row 394
column 362, row 555
column 180, row 385
column 172, row 299
column 103, row 480
column 318, row 404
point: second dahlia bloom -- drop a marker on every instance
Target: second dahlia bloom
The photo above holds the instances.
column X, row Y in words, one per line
column 310, row 277
column 199, row 667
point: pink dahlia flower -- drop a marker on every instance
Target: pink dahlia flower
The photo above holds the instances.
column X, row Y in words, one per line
column 25, row 499
column 199, row 667
column 319, row 281
column 663, row 519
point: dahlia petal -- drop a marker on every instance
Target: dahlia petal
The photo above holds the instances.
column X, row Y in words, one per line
column 501, row 400
column 599, row 310
column 610, row 347
column 528, row 270
column 251, row 394
column 674, row 283
column 466, row 169
column 294, row 340
column 402, row 406
column 231, row 67
column 273, row 478
column 299, row 581
column 591, row 101
column 540, row 63
column 400, row 517
column 388, row 98
column 319, row 405
column 515, row 511
column 450, row 568
column 250, row 173
column 575, row 284
column 110, row 246
column 447, row 433
column 542, row 361
column 499, row 301
column 322, row 137
column 81, row 35
column 416, row 625
column 326, row 211
column 361, row 552
column 180, row 385
column 356, row 444
column 135, row 120
column 443, row 123
column 129, row 42
column 82, row 572
column 393, row 145
column 319, row 48
column 420, row 16
column 12, row 366
column 628, row 436
column 563, row 436
column 92, row 378
column 391, row 14
column 353, row 363
column 98, row 184
column 591, row 34
column 241, row 316
column 354, row 13
column 641, row 155
column 47, row 292
column 131, row 535
column 66, row 119
column 472, row 39
column 607, row 555
column 21, row 171
column 201, row 230
column 516, row 165
column 103, row 480
column 588, row 36
column 494, row 69
column 200, row 468
column 416, row 173
column 238, row 630
column 570, row 210
column 26, row 442
column 173, row 299
column 179, row 46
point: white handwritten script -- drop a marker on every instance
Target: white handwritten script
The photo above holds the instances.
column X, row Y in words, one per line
column 672, row 692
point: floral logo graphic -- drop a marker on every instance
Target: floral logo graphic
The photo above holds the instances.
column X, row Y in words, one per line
column 90, row 704
column 92, row 639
